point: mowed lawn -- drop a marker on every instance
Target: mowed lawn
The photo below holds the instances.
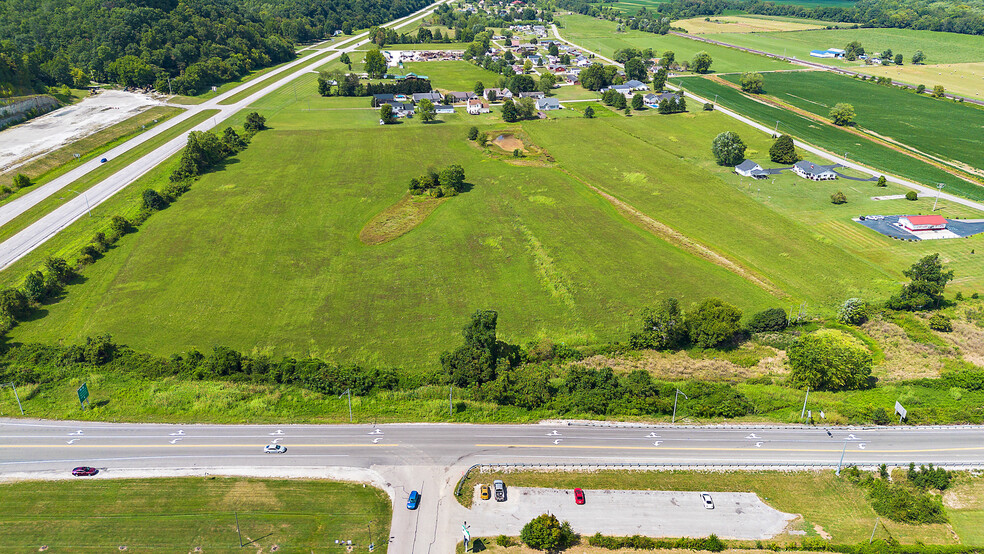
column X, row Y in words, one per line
column 451, row 76
column 264, row 255
column 943, row 129
column 937, row 46
column 180, row 515
column 600, row 36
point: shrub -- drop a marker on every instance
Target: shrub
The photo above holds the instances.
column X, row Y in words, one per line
column 829, row 359
column 928, row 279
column 940, row 322
column 853, row 311
column 708, row 107
column 838, row 198
column 153, row 201
column 920, row 89
column 472, row 133
column 503, row 540
column 662, row 327
column 842, row 114
column 751, row 82
column 929, row 477
column 773, row 319
column 912, row 195
column 120, row 225
column 902, row 504
column 254, row 123
column 882, row 182
column 20, row 181
column 545, row 532
column 713, row 322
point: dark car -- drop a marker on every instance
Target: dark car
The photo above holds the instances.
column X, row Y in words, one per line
column 104, row 160
column 84, row 471
column 414, row 500
column 578, row 496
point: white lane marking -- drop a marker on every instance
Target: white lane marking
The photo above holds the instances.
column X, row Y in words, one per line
column 558, row 441
column 753, row 436
column 275, row 441
column 71, row 441
column 851, row 437
column 77, row 433
column 553, row 433
column 279, row 432
column 376, row 431
column 174, row 441
column 758, row 445
column 376, row 440
column 861, row 445
column 652, row 436
column 657, row 443
column 177, row 434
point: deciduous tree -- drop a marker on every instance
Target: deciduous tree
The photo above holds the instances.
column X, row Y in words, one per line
column 701, row 63
column 842, row 114
column 713, row 322
column 783, row 150
column 831, row 360
column 375, row 63
column 728, row 148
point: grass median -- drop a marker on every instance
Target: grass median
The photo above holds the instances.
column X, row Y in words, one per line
column 190, row 514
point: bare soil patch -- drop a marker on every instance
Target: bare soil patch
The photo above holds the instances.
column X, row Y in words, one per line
column 398, row 219
column 509, row 143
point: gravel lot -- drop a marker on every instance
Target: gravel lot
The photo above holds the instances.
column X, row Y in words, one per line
column 736, row 515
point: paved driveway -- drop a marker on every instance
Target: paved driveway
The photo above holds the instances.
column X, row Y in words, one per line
column 736, row 515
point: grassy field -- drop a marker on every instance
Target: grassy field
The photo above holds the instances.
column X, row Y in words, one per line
column 966, row 79
column 182, row 515
column 265, row 82
column 632, row 6
column 830, row 138
column 938, row 47
column 97, row 175
column 226, row 87
column 943, row 129
column 740, row 24
column 63, row 159
column 452, row 76
column 833, row 504
column 600, row 36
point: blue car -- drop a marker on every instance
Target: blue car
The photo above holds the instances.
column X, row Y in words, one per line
column 414, row 500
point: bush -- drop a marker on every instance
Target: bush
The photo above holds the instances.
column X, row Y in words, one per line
column 254, row 123
column 838, row 198
column 708, row 107
column 713, row 322
column 929, row 477
column 882, row 182
column 902, row 504
column 842, row 114
column 773, row 319
column 940, row 322
column 853, row 311
column 829, row 359
column 911, row 195
column 545, row 532
column 473, row 133
column 503, row 540
column 20, row 181
column 662, row 327
column 153, row 201
column 751, row 82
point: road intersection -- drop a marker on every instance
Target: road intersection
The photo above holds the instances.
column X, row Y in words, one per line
column 431, row 458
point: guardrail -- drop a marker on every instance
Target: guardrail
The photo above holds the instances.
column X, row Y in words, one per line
column 630, row 425
column 461, row 482
column 657, row 466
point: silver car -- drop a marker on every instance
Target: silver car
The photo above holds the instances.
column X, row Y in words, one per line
column 708, row 503
column 274, row 449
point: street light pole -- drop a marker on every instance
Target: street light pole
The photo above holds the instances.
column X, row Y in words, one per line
column 803, row 413
column 14, row 387
column 841, row 462
column 675, row 397
column 939, row 191
column 86, row 198
column 349, row 393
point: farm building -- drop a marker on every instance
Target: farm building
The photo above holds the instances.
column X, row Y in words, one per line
column 828, row 53
column 812, row 171
column 923, row 222
column 748, row 168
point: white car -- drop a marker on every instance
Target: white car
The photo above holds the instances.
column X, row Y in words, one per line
column 708, row 503
column 274, row 448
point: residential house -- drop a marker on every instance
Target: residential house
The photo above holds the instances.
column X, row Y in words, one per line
column 654, row 98
column 461, row 97
column 500, row 93
column 433, row 96
column 636, row 85
column 380, row 99
column 533, row 94
column 546, row 104
column 477, row 106
column 443, row 109
column 624, row 90
column 748, row 168
column 401, row 109
column 815, row 172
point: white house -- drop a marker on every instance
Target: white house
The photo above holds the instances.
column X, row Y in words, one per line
column 748, row 168
column 814, row 172
column 636, row 85
column 500, row 93
column 923, row 222
column 545, row 104
column 477, row 106
column 443, row 109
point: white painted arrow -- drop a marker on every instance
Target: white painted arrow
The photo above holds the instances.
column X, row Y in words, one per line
column 653, row 436
column 861, row 446
column 178, row 434
column 758, row 445
column 71, row 441
column 275, row 441
column 851, row 437
column 376, row 440
column 174, row 441
column 558, row 441
column 279, row 432
column 752, row 436
column 79, row 432
column 553, row 433
column 376, row 431
column 657, row 443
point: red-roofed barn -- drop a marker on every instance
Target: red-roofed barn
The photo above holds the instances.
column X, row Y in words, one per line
column 923, row 222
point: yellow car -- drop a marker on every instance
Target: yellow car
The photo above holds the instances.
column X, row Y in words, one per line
column 486, row 492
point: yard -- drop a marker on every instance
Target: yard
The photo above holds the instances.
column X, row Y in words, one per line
column 190, row 514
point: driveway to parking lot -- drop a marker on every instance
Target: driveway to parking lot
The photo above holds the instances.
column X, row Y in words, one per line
column 736, row 515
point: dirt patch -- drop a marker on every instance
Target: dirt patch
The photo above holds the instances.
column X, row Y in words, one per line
column 248, row 494
column 679, row 366
column 398, row 219
column 510, row 143
column 904, row 359
column 825, row 535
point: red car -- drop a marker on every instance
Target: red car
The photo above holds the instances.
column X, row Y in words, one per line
column 84, row 471
column 578, row 496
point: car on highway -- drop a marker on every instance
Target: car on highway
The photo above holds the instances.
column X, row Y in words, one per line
column 486, row 492
column 84, row 471
column 578, row 497
column 413, row 501
column 104, row 160
column 706, row 498
column 274, row 449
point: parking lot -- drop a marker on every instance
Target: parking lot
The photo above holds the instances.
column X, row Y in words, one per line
column 736, row 515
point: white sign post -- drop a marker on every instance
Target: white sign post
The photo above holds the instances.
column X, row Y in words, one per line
column 900, row 411
column 467, row 534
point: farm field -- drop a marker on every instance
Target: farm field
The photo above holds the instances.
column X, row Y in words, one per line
column 600, row 36
column 830, row 138
column 938, row 47
column 965, row 79
column 943, row 129
column 740, row 24
column 632, row 6
column 182, row 514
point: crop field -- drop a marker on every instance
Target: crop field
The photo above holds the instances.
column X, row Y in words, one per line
column 943, row 129
column 938, row 47
column 740, row 24
column 189, row 514
column 600, row 36
column 632, row 6
column 966, row 79
column 830, row 138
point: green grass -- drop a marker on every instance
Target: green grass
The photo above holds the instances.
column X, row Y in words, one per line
column 180, row 514
column 452, row 76
column 227, row 86
column 96, row 176
column 600, row 36
column 830, row 138
column 943, row 129
column 632, row 6
column 937, row 46
column 839, row 507
column 263, row 83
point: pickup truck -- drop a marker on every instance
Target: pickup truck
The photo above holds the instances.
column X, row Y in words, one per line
column 500, row 490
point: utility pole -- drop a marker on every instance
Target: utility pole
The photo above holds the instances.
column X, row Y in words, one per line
column 238, row 531
column 349, row 393
column 841, row 462
column 803, row 413
column 450, row 390
column 776, row 130
column 86, row 198
column 939, row 191
column 675, row 397
column 873, row 529
column 14, row 387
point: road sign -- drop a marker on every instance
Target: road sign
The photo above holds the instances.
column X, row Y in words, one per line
column 900, row 410
column 466, row 532
column 372, row 546
column 83, row 393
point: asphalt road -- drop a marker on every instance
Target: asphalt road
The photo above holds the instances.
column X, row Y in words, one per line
column 431, row 458
column 50, row 224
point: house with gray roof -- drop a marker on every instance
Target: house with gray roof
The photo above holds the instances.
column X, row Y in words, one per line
column 748, row 168
column 433, row 96
column 546, row 104
column 814, row 172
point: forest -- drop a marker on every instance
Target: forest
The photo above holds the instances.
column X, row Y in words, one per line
column 184, row 46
